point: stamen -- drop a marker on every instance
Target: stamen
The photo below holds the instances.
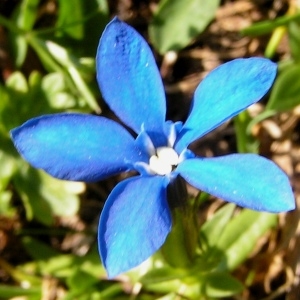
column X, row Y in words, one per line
column 158, row 166
column 168, row 155
column 163, row 162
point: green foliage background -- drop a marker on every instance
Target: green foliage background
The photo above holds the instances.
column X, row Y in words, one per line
column 62, row 79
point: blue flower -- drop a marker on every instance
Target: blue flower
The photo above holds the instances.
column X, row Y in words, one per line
column 136, row 218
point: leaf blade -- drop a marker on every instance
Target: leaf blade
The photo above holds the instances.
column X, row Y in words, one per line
column 177, row 22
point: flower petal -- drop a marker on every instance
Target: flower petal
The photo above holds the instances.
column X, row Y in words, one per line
column 248, row 180
column 226, row 91
column 134, row 223
column 76, row 146
column 129, row 78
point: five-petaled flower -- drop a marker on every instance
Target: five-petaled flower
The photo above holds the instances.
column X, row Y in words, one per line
column 136, row 218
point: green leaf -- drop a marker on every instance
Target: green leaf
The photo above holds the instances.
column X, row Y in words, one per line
column 91, row 263
column 103, row 6
column 96, row 17
column 70, row 63
column 19, row 48
column 8, row 167
column 113, row 290
column 212, row 229
column 268, row 26
column 40, row 95
column 38, row 250
column 9, row 292
column 65, row 265
column 17, row 82
column 163, row 274
column 3, row 103
column 26, row 14
column 285, row 94
column 170, row 296
column 24, row 17
column 70, row 18
column 294, row 40
column 246, row 143
column 23, row 99
column 80, row 281
column 6, row 208
column 176, row 23
column 45, row 196
column 220, row 285
column 55, row 89
column 259, row 118
column 59, row 266
column 189, row 290
column 239, row 237
column 39, row 46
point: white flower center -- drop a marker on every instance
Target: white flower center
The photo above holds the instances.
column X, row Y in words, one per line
column 163, row 162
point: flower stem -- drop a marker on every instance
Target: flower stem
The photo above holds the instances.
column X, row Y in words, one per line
column 245, row 142
column 179, row 248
